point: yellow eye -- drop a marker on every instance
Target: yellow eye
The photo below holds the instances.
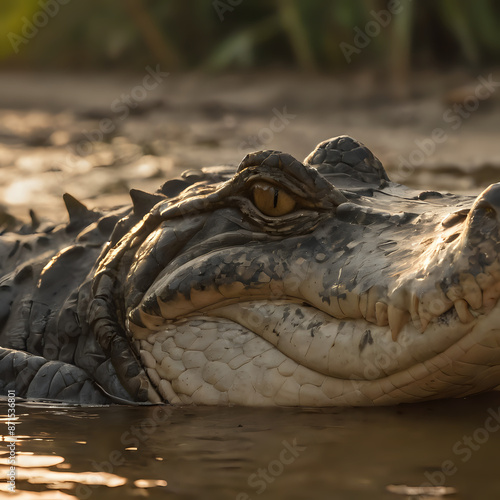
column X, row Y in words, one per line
column 272, row 200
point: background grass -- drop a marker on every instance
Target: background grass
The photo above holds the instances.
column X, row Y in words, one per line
column 221, row 35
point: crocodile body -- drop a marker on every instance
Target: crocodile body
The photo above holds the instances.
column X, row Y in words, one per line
column 313, row 283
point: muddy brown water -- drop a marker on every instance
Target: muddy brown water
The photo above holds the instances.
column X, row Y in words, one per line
column 247, row 453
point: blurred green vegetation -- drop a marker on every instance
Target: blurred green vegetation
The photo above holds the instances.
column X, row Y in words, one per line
column 217, row 35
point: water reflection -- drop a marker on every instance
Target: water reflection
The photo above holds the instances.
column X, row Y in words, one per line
column 242, row 454
column 29, row 459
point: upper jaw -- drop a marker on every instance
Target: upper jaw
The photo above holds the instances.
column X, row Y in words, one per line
column 347, row 277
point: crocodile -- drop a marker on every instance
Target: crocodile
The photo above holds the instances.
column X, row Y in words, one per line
column 314, row 283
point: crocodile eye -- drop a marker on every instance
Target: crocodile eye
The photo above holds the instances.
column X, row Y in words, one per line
column 272, row 200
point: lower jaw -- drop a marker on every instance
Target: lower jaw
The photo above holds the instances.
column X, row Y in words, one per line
column 215, row 361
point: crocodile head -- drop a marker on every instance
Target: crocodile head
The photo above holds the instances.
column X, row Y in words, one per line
column 310, row 283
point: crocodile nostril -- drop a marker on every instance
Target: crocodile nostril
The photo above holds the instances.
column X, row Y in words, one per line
column 483, row 221
column 488, row 202
column 489, row 211
column 489, row 199
column 486, row 215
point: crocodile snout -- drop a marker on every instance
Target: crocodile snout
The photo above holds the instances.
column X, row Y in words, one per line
column 482, row 227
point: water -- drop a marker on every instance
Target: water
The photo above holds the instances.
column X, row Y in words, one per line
column 66, row 452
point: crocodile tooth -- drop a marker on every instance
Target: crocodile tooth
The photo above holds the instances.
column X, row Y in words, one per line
column 424, row 322
column 363, row 304
column 373, row 295
column 397, row 319
column 425, row 316
column 471, row 291
column 414, row 304
column 381, row 313
column 463, row 312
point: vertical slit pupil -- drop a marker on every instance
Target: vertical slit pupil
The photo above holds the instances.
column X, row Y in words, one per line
column 276, row 192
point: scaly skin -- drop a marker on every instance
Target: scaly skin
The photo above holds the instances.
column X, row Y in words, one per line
column 301, row 284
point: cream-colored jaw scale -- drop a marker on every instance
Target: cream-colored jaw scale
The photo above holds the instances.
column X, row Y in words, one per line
column 217, row 361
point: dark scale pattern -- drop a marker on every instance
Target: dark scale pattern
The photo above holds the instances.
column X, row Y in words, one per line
column 344, row 155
